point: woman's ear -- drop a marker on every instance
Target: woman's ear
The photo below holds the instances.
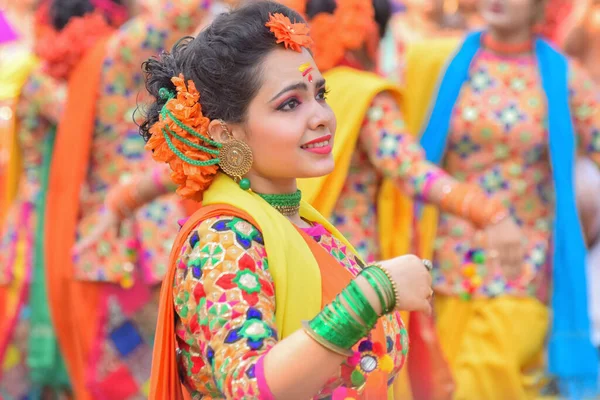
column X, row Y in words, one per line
column 218, row 131
column 221, row 132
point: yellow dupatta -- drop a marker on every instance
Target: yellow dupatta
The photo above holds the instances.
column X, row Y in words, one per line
column 323, row 192
column 292, row 264
column 394, row 210
column 290, row 258
column 425, row 62
column 14, row 70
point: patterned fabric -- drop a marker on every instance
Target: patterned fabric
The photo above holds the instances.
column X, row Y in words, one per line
column 498, row 140
column 225, row 302
column 122, row 355
column 38, row 110
column 117, row 139
column 130, row 265
column 385, row 148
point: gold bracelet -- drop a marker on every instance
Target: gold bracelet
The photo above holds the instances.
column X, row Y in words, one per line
column 392, row 282
column 329, row 346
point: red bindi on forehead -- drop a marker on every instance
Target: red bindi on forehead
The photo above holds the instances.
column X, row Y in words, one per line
column 306, row 70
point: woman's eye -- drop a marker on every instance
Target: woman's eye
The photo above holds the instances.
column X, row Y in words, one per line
column 289, row 105
column 322, row 95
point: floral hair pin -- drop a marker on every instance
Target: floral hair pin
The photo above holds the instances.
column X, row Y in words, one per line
column 294, row 36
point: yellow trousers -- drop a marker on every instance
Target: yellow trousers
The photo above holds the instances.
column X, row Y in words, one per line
column 495, row 347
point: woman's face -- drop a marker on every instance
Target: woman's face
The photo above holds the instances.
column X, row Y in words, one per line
column 289, row 126
column 508, row 15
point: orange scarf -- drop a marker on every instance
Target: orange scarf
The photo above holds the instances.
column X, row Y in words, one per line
column 165, row 380
column 67, row 175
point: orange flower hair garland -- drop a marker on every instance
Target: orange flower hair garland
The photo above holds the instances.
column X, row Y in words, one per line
column 348, row 28
column 182, row 118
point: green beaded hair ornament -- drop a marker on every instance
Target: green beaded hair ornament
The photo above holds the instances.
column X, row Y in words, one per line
column 228, row 157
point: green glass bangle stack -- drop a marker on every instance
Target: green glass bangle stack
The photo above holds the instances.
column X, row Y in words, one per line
column 350, row 317
column 383, row 286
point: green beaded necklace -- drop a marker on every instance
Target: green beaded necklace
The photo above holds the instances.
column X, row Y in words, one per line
column 287, row 204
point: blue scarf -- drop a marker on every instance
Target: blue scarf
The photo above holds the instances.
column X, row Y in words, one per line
column 572, row 357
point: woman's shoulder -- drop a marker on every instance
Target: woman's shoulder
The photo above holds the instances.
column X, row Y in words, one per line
column 221, row 239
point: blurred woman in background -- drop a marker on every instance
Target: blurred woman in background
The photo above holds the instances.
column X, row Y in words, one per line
column 505, row 113
column 32, row 362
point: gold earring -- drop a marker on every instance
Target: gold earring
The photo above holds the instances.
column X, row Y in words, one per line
column 235, row 158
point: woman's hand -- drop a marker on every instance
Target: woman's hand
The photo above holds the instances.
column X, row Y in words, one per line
column 504, row 244
column 413, row 282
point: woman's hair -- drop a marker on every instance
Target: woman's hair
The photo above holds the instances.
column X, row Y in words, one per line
column 224, row 62
column 61, row 11
column 383, row 11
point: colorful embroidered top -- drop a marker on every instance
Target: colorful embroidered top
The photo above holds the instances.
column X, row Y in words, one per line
column 498, row 140
column 137, row 258
column 225, row 302
column 385, row 148
column 38, row 110
column 118, row 150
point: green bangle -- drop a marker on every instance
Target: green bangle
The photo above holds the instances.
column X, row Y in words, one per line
column 390, row 283
column 319, row 339
column 336, row 326
column 384, row 282
column 345, row 315
column 335, row 330
column 375, row 285
column 364, row 309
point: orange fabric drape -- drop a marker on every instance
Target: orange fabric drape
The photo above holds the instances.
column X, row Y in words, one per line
column 165, row 381
column 73, row 305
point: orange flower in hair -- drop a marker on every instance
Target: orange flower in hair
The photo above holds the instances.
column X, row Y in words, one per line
column 182, row 134
column 62, row 50
column 356, row 19
column 351, row 26
column 293, row 35
column 328, row 50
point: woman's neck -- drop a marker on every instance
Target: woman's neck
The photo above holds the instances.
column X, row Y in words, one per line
column 510, row 36
column 262, row 185
column 272, row 186
column 508, row 43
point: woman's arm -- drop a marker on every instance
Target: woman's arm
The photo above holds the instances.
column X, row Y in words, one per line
column 225, row 299
column 394, row 152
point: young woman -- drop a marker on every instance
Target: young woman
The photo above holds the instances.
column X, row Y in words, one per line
column 240, row 114
column 506, row 115
column 28, row 346
column 376, row 158
column 112, row 286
